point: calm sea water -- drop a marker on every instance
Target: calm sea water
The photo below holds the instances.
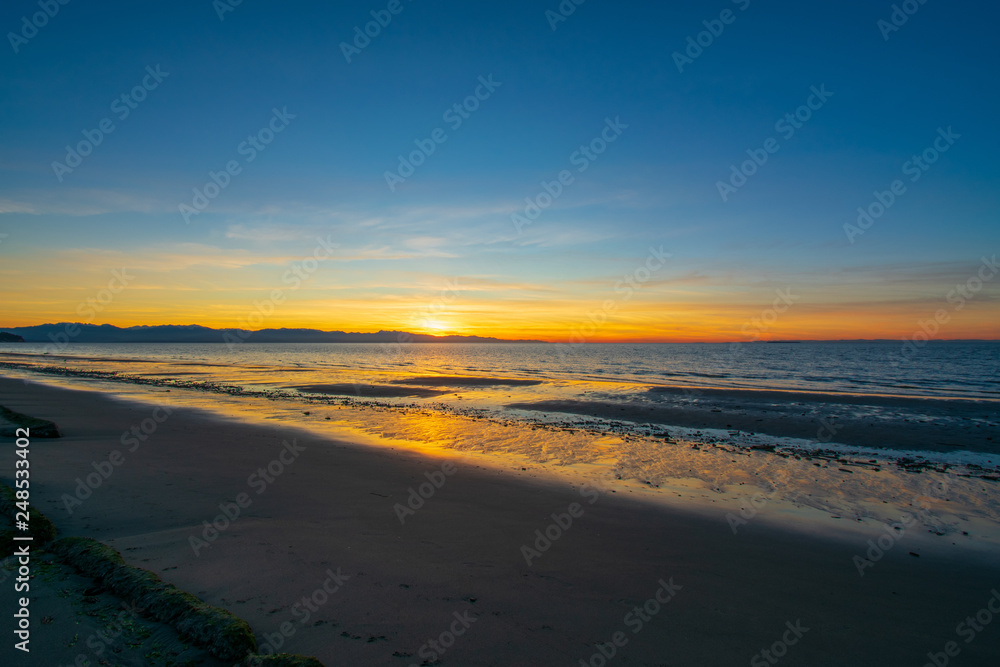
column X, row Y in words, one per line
column 940, row 369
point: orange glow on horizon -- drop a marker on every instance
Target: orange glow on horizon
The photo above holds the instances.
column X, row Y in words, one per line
column 557, row 312
column 982, row 328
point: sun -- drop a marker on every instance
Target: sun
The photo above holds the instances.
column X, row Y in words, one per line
column 435, row 326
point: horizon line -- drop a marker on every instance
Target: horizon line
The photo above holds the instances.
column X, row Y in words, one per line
column 444, row 335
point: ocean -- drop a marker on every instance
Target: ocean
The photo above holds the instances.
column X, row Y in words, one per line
column 941, row 402
column 938, row 370
column 834, row 420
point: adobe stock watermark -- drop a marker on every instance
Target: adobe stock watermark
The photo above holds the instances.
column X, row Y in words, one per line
column 755, row 326
column 454, row 116
column 122, row 107
column 293, row 277
column 627, row 287
column 302, row 611
column 132, row 438
column 581, row 158
column 714, row 28
column 223, row 7
column 968, row 628
column 957, row 297
column 752, row 505
column 635, row 620
column 893, row 533
column 37, row 21
column 434, row 649
column 779, row 649
column 561, row 522
column 565, row 9
column 899, row 16
column 878, row 547
column 786, row 127
column 447, row 295
column 259, row 481
column 88, row 309
column 363, row 38
column 915, row 168
column 103, row 640
column 250, row 148
column 424, row 492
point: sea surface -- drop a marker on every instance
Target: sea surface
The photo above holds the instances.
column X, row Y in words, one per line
column 939, row 369
column 835, row 427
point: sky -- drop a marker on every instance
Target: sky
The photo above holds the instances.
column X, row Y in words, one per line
column 628, row 171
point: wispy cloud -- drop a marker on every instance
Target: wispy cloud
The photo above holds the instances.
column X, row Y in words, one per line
column 11, row 206
column 267, row 232
column 82, row 202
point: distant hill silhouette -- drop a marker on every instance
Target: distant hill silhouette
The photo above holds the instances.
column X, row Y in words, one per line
column 10, row 338
column 193, row 333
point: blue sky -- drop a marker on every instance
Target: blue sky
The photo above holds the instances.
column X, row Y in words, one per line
column 656, row 184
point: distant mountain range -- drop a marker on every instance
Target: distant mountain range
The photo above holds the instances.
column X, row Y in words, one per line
column 68, row 332
column 192, row 333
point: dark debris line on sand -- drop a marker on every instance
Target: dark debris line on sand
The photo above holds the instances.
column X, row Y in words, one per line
column 223, row 634
column 40, row 428
column 220, row 632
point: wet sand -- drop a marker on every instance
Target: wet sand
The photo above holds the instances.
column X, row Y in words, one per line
column 366, row 390
column 464, row 381
column 330, row 510
column 76, row 621
column 886, row 422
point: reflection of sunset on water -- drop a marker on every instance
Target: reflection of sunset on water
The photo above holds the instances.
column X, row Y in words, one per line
column 703, row 471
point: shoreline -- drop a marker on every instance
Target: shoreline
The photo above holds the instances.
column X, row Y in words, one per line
column 695, row 471
column 332, row 508
column 919, row 425
column 387, row 371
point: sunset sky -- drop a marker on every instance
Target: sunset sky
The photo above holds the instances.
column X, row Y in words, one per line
column 438, row 251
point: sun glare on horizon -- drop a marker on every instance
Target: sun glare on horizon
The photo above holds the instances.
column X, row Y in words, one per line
column 436, row 326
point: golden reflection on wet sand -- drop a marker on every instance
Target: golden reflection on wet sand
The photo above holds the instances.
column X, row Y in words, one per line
column 718, row 479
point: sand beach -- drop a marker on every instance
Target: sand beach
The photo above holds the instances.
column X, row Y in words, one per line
column 359, row 553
